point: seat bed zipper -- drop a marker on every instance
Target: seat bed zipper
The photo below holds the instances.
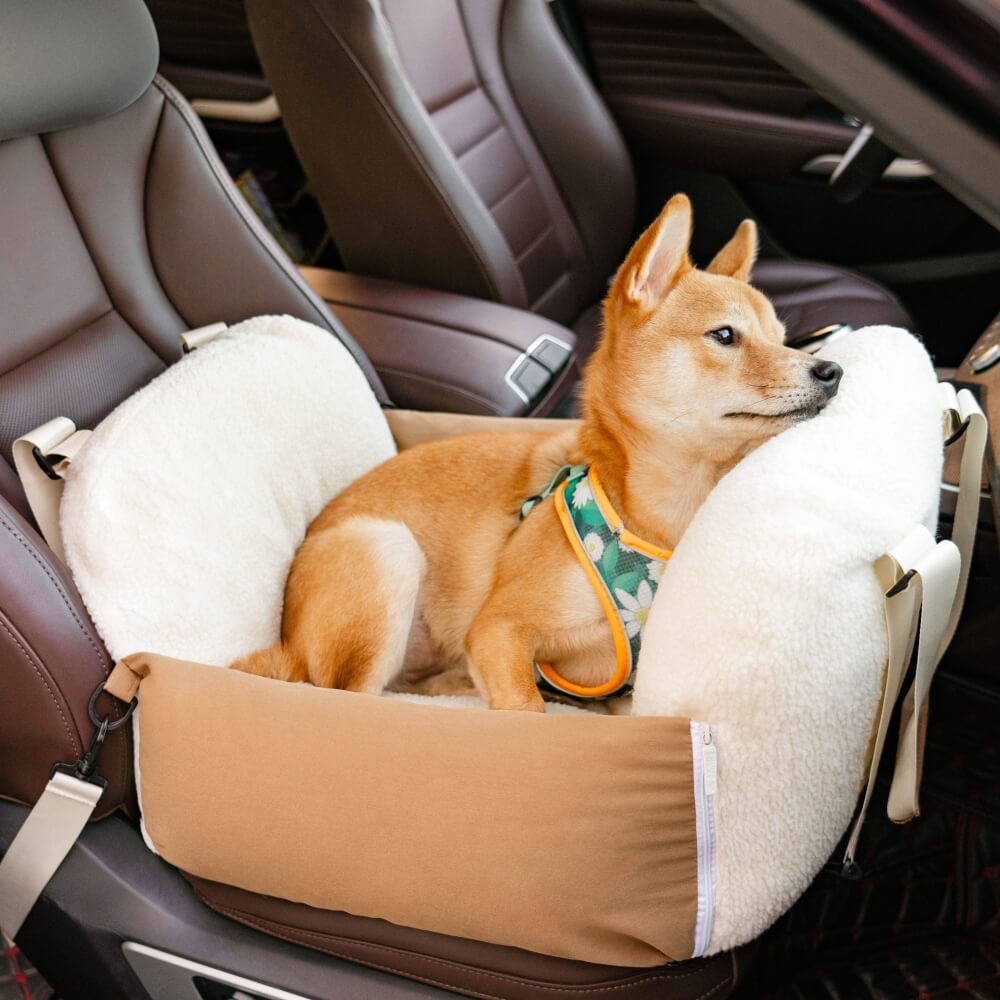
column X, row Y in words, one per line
column 705, row 784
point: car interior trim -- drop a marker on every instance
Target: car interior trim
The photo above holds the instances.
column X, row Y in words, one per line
column 258, row 112
column 906, row 114
column 167, row 976
column 901, row 169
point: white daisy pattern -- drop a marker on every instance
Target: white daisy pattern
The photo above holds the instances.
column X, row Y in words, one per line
column 655, row 570
column 582, row 494
column 635, row 610
column 594, row 546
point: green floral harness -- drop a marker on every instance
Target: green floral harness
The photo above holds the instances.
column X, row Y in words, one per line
column 623, row 570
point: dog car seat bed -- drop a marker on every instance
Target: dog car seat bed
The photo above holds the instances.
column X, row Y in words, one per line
column 680, row 830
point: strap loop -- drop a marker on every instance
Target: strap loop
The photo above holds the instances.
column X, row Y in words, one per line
column 200, row 336
column 42, row 458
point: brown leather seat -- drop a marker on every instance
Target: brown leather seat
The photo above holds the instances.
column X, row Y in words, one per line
column 121, row 230
column 457, row 144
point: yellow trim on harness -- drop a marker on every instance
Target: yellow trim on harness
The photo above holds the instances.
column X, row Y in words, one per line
column 615, row 522
column 620, row 639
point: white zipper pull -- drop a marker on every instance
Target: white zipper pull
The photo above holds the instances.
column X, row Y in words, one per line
column 709, row 758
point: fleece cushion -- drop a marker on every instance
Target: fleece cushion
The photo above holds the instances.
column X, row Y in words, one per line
column 181, row 516
column 768, row 622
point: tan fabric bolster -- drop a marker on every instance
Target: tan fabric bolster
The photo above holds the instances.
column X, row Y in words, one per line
column 412, row 427
column 571, row 836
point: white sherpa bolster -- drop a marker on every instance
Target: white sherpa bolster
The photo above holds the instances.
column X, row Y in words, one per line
column 769, row 621
column 181, row 516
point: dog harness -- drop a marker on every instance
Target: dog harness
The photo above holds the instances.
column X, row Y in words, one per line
column 623, row 570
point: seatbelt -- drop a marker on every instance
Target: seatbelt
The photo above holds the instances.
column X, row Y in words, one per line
column 42, row 457
column 54, row 824
column 925, row 585
column 965, row 421
column 51, row 829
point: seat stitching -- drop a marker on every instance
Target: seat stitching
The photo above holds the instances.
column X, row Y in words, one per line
column 510, row 191
column 35, row 554
column 256, row 228
column 102, row 658
column 535, row 242
column 449, row 101
column 90, row 253
column 587, row 256
column 483, row 138
column 60, row 342
column 563, row 275
column 74, row 742
column 145, row 209
column 414, row 156
column 266, row 927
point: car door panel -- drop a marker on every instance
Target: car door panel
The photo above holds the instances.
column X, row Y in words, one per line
column 705, row 111
column 685, row 88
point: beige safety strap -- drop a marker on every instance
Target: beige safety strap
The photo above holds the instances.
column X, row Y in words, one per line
column 942, row 601
column 925, row 587
column 918, row 570
column 42, row 457
column 936, row 579
column 48, row 834
column 966, row 422
column 200, row 336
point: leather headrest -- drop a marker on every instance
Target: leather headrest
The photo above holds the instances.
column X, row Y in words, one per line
column 67, row 62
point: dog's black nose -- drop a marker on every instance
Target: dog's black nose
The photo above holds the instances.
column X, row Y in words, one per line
column 827, row 373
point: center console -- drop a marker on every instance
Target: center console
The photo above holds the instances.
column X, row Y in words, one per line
column 439, row 351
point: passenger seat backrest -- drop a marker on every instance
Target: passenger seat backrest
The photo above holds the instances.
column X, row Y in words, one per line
column 122, row 234
column 454, row 144
column 121, row 230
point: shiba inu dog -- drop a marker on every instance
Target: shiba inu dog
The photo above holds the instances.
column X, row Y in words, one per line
column 424, row 573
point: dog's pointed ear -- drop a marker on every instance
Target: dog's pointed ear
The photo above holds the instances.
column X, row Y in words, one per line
column 737, row 257
column 660, row 256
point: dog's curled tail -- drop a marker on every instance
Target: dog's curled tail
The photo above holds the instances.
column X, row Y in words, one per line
column 275, row 662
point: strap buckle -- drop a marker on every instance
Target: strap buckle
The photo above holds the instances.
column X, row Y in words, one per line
column 901, row 584
column 848, row 869
column 47, row 462
column 564, row 472
column 85, row 767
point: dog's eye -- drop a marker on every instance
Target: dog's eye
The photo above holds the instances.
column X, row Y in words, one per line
column 725, row 335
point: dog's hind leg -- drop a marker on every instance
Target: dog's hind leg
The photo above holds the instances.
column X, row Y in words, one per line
column 351, row 601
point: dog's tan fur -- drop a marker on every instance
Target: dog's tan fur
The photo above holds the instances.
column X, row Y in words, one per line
column 421, row 569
